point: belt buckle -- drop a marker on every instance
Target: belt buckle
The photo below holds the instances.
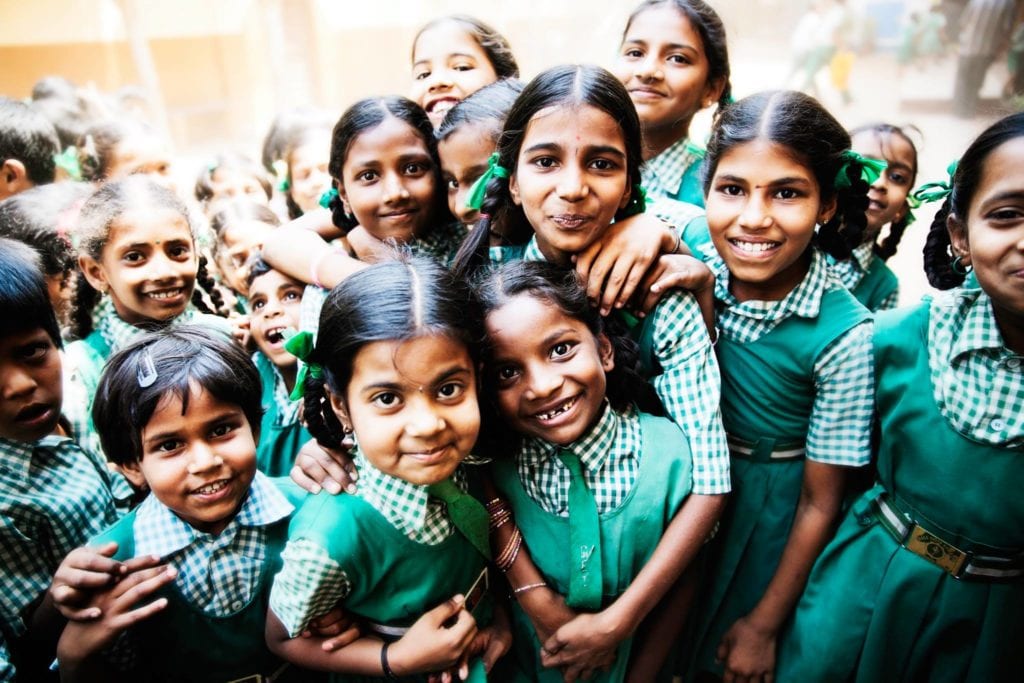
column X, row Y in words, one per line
column 254, row 678
column 948, row 557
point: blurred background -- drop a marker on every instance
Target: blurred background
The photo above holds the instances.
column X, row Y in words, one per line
column 212, row 74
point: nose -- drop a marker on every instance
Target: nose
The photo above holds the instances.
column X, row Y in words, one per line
column 162, row 267
column 542, row 382
column 439, row 79
column 423, row 420
column 394, row 188
column 572, row 184
column 649, row 68
column 16, row 382
column 755, row 214
column 203, row 459
column 466, row 214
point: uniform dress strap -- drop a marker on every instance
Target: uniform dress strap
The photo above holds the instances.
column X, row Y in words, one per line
column 466, row 512
column 585, row 579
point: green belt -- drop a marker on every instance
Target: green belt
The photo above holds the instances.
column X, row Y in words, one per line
column 961, row 564
column 765, row 449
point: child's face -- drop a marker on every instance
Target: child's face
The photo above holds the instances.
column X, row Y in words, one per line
column 275, row 300
column 30, row 385
column 198, row 462
column 464, row 156
column 664, row 68
column 762, row 209
column 148, row 265
column 309, row 176
column 570, row 178
column 448, row 66
column 413, row 406
column 239, row 241
column 887, row 198
column 146, row 154
column 389, row 181
column 230, row 183
column 993, row 239
column 549, row 369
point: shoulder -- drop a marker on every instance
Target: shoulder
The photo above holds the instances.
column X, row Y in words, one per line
column 121, row 532
column 294, row 493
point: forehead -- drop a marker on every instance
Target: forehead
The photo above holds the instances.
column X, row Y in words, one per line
column 414, row 362
column 1002, row 172
column 892, row 147
column 762, row 161
column 445, row 39
column 140, row 147
column 391, row 138
column 572, row 125
column 270, row 282
column 315, row 150
column 170, row 409
column 239, row 233
column 526, row 320
column 664, row 24
column 151, row 224
column 12, row 339
column 468, row 145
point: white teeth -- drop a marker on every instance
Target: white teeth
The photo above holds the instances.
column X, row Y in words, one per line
column 755, row 247
column 558, row 411
column 212, row 488
column 165, row 294
column 275, row 334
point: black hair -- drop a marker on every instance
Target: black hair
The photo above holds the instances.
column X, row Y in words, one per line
column 883, row 132
column 705, row 20
column 27, row 136
column 42, row 218
column 234, row 211
column 815, row 139
column 98, row 213
column 256, row 267
column 179, row 357
column 100, row 141
column 494, row 45
column 394, row 300
column 561, row 86
column 24, row 299
column 284, row 128
column 937, row 247
column 366, row 115
column 562, row 288
column 230, row 162
column 489, row 104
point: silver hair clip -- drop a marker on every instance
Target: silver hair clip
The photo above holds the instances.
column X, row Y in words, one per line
column 147, row 370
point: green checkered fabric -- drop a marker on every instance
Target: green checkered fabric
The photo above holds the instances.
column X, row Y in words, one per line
column 53, row 498
column 663, row 174
column 839, row 432
column 978, row 383
column 852, row 270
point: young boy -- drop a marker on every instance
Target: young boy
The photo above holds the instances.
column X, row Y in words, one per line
column 53, row 497
column 274, row 302
column 177, row 409
column 28, row 147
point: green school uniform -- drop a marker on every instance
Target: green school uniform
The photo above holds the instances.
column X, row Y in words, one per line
column 676, row 173
column 629, row 532
column 873, row 610
column 869, row 278
column 182, row 642
column 768, row 438
column 281, row 432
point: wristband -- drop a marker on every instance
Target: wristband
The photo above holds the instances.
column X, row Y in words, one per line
column 388, row 673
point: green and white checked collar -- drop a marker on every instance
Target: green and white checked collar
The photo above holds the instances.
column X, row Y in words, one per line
column 119, row 334
column 978, row 330
column 803, row 301
column 663, row 174
column 532, row 251
column 613, row 437
column 16, row 456
column 852, row 270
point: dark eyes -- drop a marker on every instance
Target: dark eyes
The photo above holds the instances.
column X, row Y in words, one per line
column 385, row 400
column 257, row 304
column 34, row 352
column 561, row 349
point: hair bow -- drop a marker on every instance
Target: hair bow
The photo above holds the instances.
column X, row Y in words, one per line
column 301, row 346
column 637, row 202
column 870, row 169
column 281, row 174
column 479, row 189
column 694, row 149
column 937, row 191
column 68, row 161
column 327, row 197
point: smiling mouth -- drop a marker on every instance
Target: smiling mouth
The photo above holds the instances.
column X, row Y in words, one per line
column 754, row 247
column 441, row 106
column 569, row 221
column 275, row 335
column 164, row 294
column 876, row 205
column 429, row 455
column 212, row 487
column 560, row 409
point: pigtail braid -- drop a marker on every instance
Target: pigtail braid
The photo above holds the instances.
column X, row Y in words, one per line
column 845, row 230
column 341, row 218
column 321, row 421
column 82, row 304
column 293, row 209
column 937, row 253
column 207, row 284
column 473, row 255
column 887, row 249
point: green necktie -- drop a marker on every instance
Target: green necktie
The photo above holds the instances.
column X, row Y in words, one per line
column 466, row 513
column 585, row 581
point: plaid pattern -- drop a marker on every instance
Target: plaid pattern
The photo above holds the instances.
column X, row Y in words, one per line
column 610, row 456
column 978, row 383
column 662, row 175
column 53, row 498
column 839, row 432
column 852, row 270
column 676, row 213
column 689, row 385
column 285, row 409
column 217, row 574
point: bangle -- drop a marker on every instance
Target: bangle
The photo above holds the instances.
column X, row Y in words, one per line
column 528, row 587
column 499, row 518
column 510, row 552
column 388, row 673
column 679, row 242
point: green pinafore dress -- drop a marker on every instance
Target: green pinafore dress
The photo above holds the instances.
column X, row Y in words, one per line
column 767, row 399
column 878, row 283
column 629, row 534
column 279, row 443
column 182, row 643
column 875, row 611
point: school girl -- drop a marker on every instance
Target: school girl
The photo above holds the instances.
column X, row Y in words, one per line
column 118, row 148
column 394, row 365
column 675, row 62
column 893, row 166
column 239, row 227
column 923, row 580
column 783, row 189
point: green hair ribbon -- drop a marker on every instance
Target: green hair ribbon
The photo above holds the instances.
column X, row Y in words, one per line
column 281, row 174
column 301, row 346
column 68, row 160
column 870, row 169
column 327, row 197
column 694, row 149
column 479, row 189
column 937, row 191
column 637, row 202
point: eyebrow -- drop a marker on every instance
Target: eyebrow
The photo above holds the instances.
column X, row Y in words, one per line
column 556, row 334
column 790, row 180
column 670, row 46
column 232, row 413
column 1003, row 196
column 591, row 149
column 434, row 381
column 448, row 56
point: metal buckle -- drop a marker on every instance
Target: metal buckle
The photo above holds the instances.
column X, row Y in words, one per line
column 932, row 548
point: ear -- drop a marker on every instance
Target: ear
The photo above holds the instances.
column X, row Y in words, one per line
column 626, row 196
column 132, row 471
column 513, row 190
column 606, row 352
column 339, row 408
column 93, row 272
column 958, row 239
column 827, row 210
column 13, row 178
column 712, row 92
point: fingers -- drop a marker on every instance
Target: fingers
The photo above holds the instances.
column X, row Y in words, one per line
column 346, row 637
column 139, row 585
column 303, row 480
column 85, row 614
column 129, row 619
column 597, row 274
column 329, row 624
column 496, row 649
column 463, row 667
column 553, row 645
column 446, row 610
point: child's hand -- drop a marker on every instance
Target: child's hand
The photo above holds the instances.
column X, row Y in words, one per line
column 673, row 271
column 747, row 652
column 582, row 646
column 118, row 607
column 86, row 571
column 317, row 468
column 336, row 627
column 430, row 645
column 547, row 611
column 493, row 642
column 367, row 248
column 240, row 329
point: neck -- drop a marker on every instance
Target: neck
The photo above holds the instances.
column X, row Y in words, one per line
column 658, row 139
column 556, row 256
column 775, row 288
column 1011, row 326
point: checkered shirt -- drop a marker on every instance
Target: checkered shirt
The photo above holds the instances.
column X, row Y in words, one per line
column 852, row 270
column 662, row 175
column 286, row 410
column 610, row 457
column 216, row 573
column 53, row 498
column 311, row 582
column 978, row 383
column 839, row 432
column 676, row 213
column 689, row 384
